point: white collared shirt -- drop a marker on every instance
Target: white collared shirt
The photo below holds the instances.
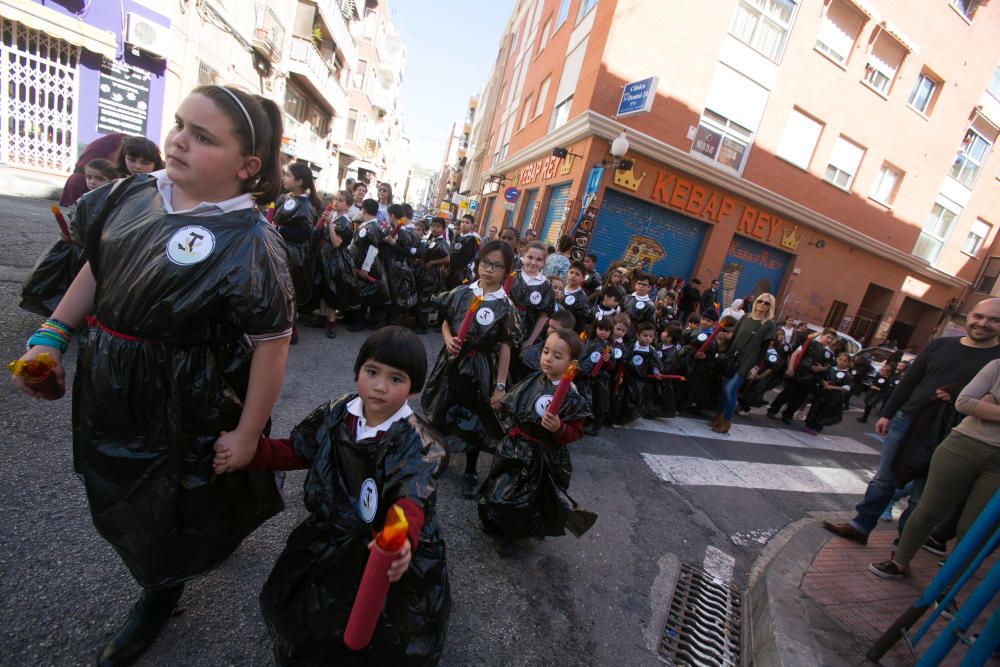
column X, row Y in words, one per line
column 641, row 298
column 166, row 188
column 640, row 348
column 363, row 431
column 531, row 281
column 478, row 291
column 567, row 293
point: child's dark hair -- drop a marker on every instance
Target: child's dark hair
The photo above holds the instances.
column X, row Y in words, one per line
column 571, row 339
column 504, row 249
column 578, row 266
column 397, row 347
column 694, row 318
column 592, row 257
column 727, row 322
column 302, row 172
column 395, row 210
column 105, row 167
column 623, row 318
column 674, row 333
column 565, row 243
column 407, row 211
column 471, row 218
column 370, row 206
column 645, row 325
column 359, row 184
column 138, row 147
column 615, row 292
column 267, row 129
column 605, row 323
column 565, row 318
column 439, row 221
column 639, row 277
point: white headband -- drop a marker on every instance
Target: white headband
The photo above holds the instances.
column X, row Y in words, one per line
column 246, row 114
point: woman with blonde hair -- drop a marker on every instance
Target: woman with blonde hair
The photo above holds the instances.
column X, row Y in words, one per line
column 749, row 343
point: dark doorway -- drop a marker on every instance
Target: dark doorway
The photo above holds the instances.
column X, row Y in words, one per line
column 873, row 305
column 836, row 315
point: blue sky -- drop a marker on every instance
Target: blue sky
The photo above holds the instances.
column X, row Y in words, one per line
column 450, row 47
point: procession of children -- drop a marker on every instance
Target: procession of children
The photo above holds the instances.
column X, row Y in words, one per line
column 186, row 289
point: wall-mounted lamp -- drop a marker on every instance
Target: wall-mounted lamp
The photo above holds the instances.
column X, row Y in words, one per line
column 619, row 147
column 561, row 153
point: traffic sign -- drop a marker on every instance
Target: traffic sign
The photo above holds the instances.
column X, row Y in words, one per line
column 511, row 194
column 637, row 96
column 473, row 204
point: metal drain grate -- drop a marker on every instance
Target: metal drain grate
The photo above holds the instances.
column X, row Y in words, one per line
column 703, row 623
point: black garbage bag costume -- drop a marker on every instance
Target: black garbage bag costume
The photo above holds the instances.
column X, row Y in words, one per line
column 530, row 303
column 365, row 255
column 337, row 284
column 431, row 280
column 700, row 387
column 56, row 268
column 463, row 253
column 456, row 398
column 400, row 266
column 619, row 350
column 775, row 360
column 531, row 467
column 294, row 217
column 827, row 407
column 576, row 303
column 645, row 396
column 596, row 389
column 639, row 310
column 164, row 369
column 308, row 597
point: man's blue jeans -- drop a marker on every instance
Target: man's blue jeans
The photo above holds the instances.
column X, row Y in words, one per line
column 881, row 489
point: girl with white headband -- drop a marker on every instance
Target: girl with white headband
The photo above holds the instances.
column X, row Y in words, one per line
column 189, row 305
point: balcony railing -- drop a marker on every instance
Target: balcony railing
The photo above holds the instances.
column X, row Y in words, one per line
column 268, row 35
column 332, row 14
column 307, row 61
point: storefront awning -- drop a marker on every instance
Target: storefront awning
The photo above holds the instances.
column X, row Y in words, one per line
column 60, row 26
column 898, row 35
column 362, row 164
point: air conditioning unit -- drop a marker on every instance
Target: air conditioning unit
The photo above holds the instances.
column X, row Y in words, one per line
column 147, row 36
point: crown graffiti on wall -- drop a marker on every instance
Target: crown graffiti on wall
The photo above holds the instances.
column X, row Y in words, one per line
column 627, row 179
column 567, row 165
column 790, row 238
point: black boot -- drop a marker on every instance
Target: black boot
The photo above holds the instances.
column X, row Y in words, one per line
column 146, row 619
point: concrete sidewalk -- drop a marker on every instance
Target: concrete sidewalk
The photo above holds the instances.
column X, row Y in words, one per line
column 812, row 600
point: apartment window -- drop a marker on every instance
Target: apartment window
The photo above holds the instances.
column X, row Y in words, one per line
column 843, row 165
column 966, row 8
column 371, row 24
column 994, row 87
column 352, row 124
column 296, row 104
column 883, row 62
column 543, row 38
column 562, row 14
column 935, row 233
column 886, row 184
column 970, row 158
column 359, row 74
column 989, row 277
column 560, row 113
column 838, row 31
column 799, row 139
column 722, row 140
column 563, row 99
column 543, row 93
column 585, row 7
column 764, row 25
column 525, row 113
column 503, row 151
column 977, row 237
column 924, row 93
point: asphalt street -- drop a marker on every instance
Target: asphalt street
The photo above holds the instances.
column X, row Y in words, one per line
column 662, row 490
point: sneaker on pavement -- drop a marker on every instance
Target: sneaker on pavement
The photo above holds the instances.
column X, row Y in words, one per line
column 887, row 514
column 888, row 570
column 936, row 547
column 847, row 531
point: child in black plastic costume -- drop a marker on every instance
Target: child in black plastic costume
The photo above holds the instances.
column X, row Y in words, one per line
column 174, row 288
column 470, row 377
column 532, row 296
column 593, row 378
column 433, row 267
column 365, row 452
column 369, row 267
column 878, row 391
column 521, row 496
column 827, row 407
column 337, row 286
column 530, row 357
column 295, row 214
column 621, row 343
column 575, row 298
column 646, row 395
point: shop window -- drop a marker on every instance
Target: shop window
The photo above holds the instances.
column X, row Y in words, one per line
column 988, row 279
column 935, row 233
column 563, row 13
column 763, row 25
column 967, row 8
column 886, row 184
column 884, row 59
column 994, row 86
column 971, row 155
column 721, row 140
column 977, row 237
column 844, row 162
column 924, row 94
column 799, row 139
column 543, row 93
column 838, row 31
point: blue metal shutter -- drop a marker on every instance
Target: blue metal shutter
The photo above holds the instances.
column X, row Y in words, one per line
column 558, row 196
column 528, row 208
column 751, row 268
column 633, row 231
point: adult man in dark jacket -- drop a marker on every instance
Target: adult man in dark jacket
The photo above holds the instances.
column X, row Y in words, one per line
column 690, row 300
column 710, row 297
column 939, row 373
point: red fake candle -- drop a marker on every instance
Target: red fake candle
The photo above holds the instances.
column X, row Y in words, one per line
column 715, row 332
column 600, row 362
column 463, row 329
column 562, row 390
column 61, row 221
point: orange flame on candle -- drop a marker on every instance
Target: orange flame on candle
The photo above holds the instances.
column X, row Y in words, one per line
column 392, row 537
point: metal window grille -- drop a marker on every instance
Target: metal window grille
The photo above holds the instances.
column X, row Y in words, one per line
column 38, row 94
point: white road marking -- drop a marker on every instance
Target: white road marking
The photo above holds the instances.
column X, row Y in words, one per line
column 751, row 537
column 697, row 471
column 758, row 435
column 719, row 564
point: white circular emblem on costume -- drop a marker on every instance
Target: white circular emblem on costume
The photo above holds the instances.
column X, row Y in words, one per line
column 458, row 246
column 289, row 205
column 535, row 298
column 640, row 304
column 618, row 353
column 485, row 316
column 413, row 251
column 772, row 357
column 827, row 354
column 190, row 245
column 368, row 500
column 363, row 232
column 637, row 360
column 595, row 356
column 840, row 375
column 542, row 404
column 702, row 337
column 570, row 300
